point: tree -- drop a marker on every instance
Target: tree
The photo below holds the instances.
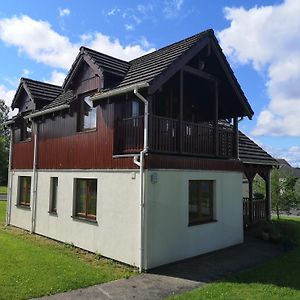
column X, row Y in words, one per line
column 284, row 195
column 4, row 143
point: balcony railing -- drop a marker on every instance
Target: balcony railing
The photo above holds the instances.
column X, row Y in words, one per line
column 167, row 136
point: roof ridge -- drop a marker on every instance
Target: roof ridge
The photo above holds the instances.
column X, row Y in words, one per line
column 41, row 82
column 208, row 31
column 98, row 52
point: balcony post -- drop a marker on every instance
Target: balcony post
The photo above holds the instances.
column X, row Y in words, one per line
column 181, row 113
column 216, row 117
column 268, row 195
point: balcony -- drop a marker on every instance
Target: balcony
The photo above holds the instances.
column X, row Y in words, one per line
column 166, row 135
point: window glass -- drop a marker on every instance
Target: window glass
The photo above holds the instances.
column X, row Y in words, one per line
column 24, row 190
column 86, row 198
column 89, row 114
column 53, row 194
column 135, row 109
column 26, row 130
column 200, row 201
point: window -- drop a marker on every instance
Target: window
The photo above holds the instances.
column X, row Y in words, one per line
column 86, row 198
column 26, row 130
column 53, row 194
column 88, row 115
column 24, row 190
column 200, row 201
column 135, row 109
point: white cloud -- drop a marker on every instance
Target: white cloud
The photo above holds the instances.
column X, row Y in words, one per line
column 113, row 11
column 172, row 8
column 129, row 27
column 56, row 78
column 40, row 42
column 64, row 12
column 268, row 38
column 7, row 95
column 113, row 47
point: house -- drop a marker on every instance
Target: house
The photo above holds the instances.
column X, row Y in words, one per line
column 141, row 161
column 287, row 170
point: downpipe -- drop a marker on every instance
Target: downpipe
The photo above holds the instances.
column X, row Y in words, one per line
column 9, row 194
column 34, row 178
column 139, row 161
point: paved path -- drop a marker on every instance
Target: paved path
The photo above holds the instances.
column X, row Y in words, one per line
column 179, row 277
column 3, row 197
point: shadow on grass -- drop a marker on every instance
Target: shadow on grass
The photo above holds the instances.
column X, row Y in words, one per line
column 254, row 261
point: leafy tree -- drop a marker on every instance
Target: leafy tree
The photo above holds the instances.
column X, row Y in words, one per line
column 285, row 191
column 4, row 142
column 284, row 195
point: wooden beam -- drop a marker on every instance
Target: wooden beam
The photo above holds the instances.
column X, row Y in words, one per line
column 236, row 137
column 216, row 118
column 177, row 65
column 250, row 201
column 199, row 73
column 181, row 113
column 268, row 196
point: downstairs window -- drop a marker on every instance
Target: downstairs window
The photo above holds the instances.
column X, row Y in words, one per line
column 86, row 198
column 201, row 202
column 24, row 191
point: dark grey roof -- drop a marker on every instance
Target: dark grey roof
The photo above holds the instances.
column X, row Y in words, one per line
column 38, row 90
column 287, row 169
column 251, row 153
column 147, row 67
column 64, row 98
column 106, row 62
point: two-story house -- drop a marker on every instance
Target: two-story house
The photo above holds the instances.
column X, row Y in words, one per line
column 141, row 161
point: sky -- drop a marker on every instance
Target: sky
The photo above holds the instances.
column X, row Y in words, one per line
column 260, row 38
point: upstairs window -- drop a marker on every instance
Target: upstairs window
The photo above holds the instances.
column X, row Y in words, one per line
column 24, row 190
column 201, row 208
column 88, row 115
column 26, row 130
column 86, row 198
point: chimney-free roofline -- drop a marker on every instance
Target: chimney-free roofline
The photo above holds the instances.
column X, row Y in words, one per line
column 47, row 111
column 119, row 91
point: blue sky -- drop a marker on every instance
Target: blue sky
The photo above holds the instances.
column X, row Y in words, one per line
column 40, row 39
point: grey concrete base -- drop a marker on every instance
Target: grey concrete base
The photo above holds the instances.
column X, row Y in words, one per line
column 181, row 276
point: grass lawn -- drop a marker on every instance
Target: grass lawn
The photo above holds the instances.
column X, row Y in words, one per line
column 279, row 279
column 32, row 266
column 3, row 190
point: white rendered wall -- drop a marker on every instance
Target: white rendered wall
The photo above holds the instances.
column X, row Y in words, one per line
column 116, row 233
column 168, row 236
column 20, row 216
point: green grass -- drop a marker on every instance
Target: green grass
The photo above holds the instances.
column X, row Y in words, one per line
column 32, row 266
column 278, row 279
column 3, row 190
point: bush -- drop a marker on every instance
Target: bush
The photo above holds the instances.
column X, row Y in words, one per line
column 276, row 232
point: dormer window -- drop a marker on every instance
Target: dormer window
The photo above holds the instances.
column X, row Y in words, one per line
column 26, row 130
column 87, row 115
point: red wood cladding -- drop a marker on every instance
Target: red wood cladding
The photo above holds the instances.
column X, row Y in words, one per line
column 156, row 161
column 80, row 150
column 22, row 157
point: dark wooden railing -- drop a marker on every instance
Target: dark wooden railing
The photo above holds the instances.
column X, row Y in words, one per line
column 258, row 210
column 163, row 134
column 129, row 135
column 165, row 137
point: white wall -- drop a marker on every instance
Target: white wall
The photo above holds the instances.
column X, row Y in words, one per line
column 116, row 234
column 168, row 237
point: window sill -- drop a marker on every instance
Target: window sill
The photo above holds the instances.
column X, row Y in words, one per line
column 52, row 213
column 84, row 220
column 201, row 223
column 26, row 207
column 87, row 131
